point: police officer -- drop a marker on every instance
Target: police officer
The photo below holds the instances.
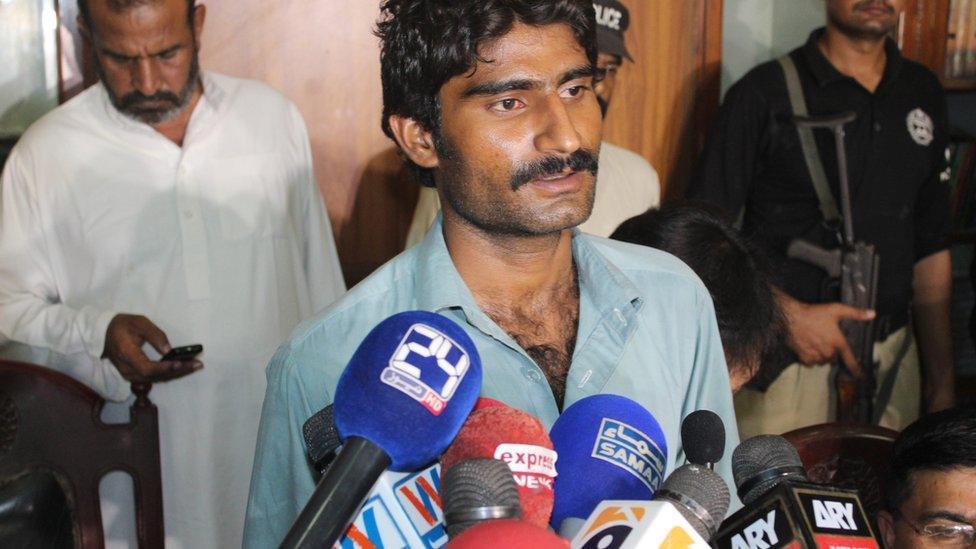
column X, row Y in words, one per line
column 755, row 165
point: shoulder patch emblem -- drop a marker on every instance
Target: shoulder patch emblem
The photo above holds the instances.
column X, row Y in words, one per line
column 920, row 127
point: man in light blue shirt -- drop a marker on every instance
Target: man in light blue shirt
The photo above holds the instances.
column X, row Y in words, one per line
column 510, row 136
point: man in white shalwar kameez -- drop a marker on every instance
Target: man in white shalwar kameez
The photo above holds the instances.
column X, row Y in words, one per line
column 160, row 208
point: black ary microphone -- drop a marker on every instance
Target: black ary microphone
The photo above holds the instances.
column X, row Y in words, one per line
column 703, row 438
column 762, row 463
column 784, row 509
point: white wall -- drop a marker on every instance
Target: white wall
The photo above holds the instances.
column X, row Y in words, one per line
column 792, row 22
column 746, row 37
column 28, row 63
column 755, row 31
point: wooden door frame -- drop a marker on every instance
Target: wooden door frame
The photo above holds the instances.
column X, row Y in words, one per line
column 710, row 87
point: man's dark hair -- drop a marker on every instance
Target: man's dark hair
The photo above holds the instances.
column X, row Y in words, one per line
column 425, row 43
column 942, row 441
column 735, row 272
column 122, row 5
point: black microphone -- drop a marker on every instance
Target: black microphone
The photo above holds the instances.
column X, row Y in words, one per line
column 703, row 438
column 321, row 438
column 685, row 512
column 783, row 508
column 762, row 463
column 398, row 404
column 476, row 490
column 699, row 494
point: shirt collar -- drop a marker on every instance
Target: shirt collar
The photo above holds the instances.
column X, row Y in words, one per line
column 439, row 285
column 825, row 73
column 600, row 280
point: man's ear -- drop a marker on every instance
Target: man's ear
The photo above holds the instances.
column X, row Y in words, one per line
column 199, row 14
column 886, row 524
column 416, row 142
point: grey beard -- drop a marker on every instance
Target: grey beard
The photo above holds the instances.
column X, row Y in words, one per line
column 153, row 117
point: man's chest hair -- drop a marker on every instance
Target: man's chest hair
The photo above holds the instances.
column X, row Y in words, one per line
column 539, row 321
column 546, row 330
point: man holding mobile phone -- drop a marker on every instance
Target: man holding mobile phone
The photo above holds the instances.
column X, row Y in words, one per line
column 166, row 206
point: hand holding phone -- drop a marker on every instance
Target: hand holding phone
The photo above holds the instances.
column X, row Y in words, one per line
column 124, row 340
column 182, row 354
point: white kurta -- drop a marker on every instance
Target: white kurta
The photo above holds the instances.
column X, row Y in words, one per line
column 626, row 185
column 223, row 242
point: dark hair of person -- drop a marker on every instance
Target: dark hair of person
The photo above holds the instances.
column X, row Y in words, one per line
column 942, row 441
column 735, row 272
column 122, row 5
column 425, row 43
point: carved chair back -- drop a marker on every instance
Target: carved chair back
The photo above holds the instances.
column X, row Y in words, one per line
column 51, row 423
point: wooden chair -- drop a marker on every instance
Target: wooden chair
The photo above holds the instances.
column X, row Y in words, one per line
column 50, row 423
column 847, row 455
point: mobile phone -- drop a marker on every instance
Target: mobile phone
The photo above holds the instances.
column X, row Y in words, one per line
column 182, row 354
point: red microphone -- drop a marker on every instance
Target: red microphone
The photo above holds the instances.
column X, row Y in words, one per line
column 485, row 402
column 495, row 430
column 512, row 534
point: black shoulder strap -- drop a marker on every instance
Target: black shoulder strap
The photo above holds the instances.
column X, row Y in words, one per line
column 828, row 206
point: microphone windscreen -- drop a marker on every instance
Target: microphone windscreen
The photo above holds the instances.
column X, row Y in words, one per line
column 473, row 487
column 609, row 447
column 700, row 495
column 408, row 387
column 703, row 437
column 485, row 402
column 511, row 534
column 521, row 441
column 762, row 462
column 321, row 437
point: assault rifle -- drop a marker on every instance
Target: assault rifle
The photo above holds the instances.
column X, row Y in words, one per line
column 855, row 265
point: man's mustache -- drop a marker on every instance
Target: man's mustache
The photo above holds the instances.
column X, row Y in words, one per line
column 579, row 160
column 135, row 99
column 874, row 3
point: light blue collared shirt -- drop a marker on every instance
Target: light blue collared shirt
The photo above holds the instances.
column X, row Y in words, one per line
column 647, row 331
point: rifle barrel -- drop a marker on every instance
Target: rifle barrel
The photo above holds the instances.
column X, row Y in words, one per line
column 845, row 186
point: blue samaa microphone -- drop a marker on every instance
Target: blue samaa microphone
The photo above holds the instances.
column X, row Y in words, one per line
column 609, row 447
column 398, row 404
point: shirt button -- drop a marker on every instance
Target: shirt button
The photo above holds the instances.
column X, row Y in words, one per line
column 182, row 170
column 188, row 214
column 532, row 375
column 877, row 127
column 620, row 316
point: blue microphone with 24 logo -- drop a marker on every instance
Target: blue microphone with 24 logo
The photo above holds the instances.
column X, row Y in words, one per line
column 399, row 403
